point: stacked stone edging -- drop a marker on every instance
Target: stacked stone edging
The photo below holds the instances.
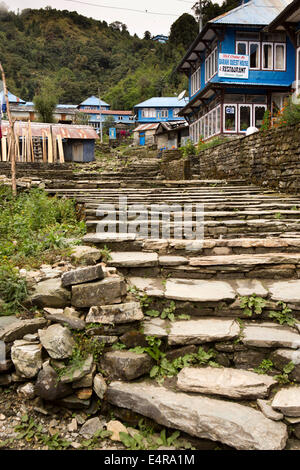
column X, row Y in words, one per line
column 270, row 158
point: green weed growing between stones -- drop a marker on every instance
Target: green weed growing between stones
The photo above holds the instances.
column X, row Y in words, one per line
column 283, row 378
column 13, row 290
column 252, row 305
column 284, row 316
column 265, row 367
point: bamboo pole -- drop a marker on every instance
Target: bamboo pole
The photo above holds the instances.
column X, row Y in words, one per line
column 11, row 125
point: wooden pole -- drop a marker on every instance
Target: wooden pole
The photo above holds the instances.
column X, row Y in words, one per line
column 11, row 125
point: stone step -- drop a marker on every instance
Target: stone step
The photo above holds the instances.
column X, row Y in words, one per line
column 131, row 242
column 206, row 292
column 253, row 266
column 235, row 425
column 225, row 382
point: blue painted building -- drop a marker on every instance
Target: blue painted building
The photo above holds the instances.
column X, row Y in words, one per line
column 96, row 117
column 93, row 103
column 161, row 109
column 11, row 98
column 237, row 69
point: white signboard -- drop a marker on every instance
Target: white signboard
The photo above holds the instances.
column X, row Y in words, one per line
column 233, row 66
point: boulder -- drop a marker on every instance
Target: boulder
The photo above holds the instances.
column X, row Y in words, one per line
column 100, row 386
column 57, row 341
column 115, row 314
column 50, row 294
column 126, row 365
column 235, row 425
column 226, row 382
column 91, row 427
column 82, row 275
column 48, row 385
column 27, row 391
column 111, row 290
column 85, row 255
column 72, row 322
column 72, row 373
column 287, row 401
column 19, row 328
column 27, row 358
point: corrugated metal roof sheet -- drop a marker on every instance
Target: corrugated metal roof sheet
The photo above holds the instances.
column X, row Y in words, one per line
column 164, row 102
column 66, row 131
column 254, row 12
column 93, row 101
column 11, row 98
column 146, row 127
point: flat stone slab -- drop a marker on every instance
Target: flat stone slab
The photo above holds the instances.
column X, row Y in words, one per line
column 200, row 331
column 248, row 287
column 109, row 237
column 238, row 426
column 82, row 275
column 19, row 328
column 285, row 291
column 226, row 382
column 270, row 335
column 198, row 290
column 288, row 401
column 111, row 314
column 150, row 286
column 134, row 259
column 173, row 261
column 246, row 260
column 110, row 290
column 268, row 411
column 126, row 365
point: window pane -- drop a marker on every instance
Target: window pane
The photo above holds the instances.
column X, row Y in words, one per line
column 279, row 57
column 242, row 48
column 218, row 119
column 230, row 113
column 254, row 56
column 245, row 118
column 259, row 115
column 267, row 56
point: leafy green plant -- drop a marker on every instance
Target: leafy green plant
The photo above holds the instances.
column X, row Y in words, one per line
column 13, row 290
column 90, row 444
column 284, row 316
column 105, row 254
column 211, row 144
column 278, row 215
column 267, row 121
column 283, row 378
column 252, row 305
column 188, row 149
column 144, row 299
column 265, row 367
column 168, row 313
column 29, row 430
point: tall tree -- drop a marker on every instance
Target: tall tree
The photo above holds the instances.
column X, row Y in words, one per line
column 183, row 31
column 46, row 101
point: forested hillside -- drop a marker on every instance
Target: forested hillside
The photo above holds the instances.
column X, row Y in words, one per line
column 81, row 54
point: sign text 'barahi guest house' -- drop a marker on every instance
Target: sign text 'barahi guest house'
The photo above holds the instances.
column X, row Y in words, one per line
column 233, row 66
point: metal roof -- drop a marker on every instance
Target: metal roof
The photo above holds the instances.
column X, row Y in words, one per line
column 93, row 101
column 163, row 102
column 147, row 127
column 107, row 112
column 291, row 14
column 66, row 131
column 11, row 98
column 254, row 12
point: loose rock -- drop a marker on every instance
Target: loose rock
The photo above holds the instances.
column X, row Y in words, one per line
column 58, row 341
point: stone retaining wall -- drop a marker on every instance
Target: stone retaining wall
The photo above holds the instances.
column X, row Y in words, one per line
column 173, row 166
column 270, row 158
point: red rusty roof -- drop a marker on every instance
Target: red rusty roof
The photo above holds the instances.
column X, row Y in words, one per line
column 38, row 129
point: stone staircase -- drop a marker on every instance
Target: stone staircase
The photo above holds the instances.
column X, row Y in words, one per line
column 239, row 292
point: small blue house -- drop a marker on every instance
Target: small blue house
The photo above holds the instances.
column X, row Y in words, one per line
column 161, row 38
column 160, row 109
column 120, row 117
column 237, row 69
column 93, row 103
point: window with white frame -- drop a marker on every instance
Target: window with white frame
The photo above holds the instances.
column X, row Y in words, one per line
column 164, row 113
column 279, row 56
column 149, row 113
column 267, row 56
column 211, row 65
column 241, row 48
column 254, row 53
column 207, row 126
column 196, row 81
column 230, row 118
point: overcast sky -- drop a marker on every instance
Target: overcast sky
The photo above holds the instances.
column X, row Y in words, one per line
column 137, row 22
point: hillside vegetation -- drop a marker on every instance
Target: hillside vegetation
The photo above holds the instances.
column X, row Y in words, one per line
column 81, row 54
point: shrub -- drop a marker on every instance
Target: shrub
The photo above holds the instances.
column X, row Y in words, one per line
column 13, row 290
